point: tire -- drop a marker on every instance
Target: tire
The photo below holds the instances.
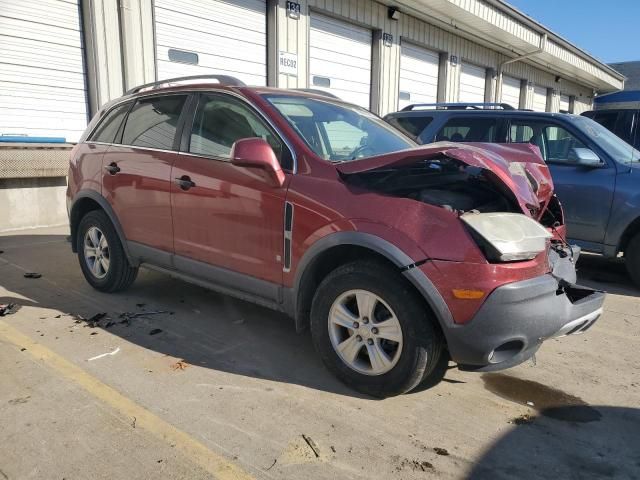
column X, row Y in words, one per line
column 407, row 362
column 632, row 259
column 96, row 228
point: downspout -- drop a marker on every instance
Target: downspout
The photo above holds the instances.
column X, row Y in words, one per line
column 540, row 49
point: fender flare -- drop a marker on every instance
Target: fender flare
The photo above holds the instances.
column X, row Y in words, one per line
column 405, row 264
column 106, row 207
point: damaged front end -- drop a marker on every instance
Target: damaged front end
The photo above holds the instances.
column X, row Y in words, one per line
column 491, row 188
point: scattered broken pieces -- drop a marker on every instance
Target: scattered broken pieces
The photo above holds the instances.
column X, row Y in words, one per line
column 155, row 331
column 32, row 275
column 441, row 451
column 7, row 309
column 179, row 365
column 525, row 419
column 104, row 355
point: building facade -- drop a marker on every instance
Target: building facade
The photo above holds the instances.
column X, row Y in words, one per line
column 60, row 60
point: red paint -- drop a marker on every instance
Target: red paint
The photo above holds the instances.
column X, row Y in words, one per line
column 233, row 216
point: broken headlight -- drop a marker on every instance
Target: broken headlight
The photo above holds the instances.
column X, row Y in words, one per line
column 507, row 237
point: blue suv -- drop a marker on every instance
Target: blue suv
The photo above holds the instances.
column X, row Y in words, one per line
column 596, row 174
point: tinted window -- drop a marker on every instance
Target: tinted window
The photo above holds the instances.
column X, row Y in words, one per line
column 152, row 122
column 606, row 119
column 108, row 127
column 469, row 129
column 221, row 120
column 624, row 127
column 412, row 126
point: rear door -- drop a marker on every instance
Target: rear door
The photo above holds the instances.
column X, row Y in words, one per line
column 586, row 193
column 137, row 174
column 229, row 220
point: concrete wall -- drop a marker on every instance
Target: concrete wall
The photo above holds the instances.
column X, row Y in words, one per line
column 32, row 202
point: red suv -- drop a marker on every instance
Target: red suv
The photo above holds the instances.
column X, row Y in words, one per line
column 399, row 257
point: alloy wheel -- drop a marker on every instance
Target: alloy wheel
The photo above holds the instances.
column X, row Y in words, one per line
column 96, row 252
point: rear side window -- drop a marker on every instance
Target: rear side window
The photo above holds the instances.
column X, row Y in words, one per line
column 412, row 126
column 625, row 126
column 110, row 124
column 152, row 122
column 469, row 129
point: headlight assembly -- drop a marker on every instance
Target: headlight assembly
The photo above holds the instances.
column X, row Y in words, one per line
column 509, row 236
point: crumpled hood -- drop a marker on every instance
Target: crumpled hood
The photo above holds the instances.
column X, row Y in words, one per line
column 519, row 167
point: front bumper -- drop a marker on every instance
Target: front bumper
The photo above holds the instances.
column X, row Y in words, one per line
column 511, row 324
column 517, row 317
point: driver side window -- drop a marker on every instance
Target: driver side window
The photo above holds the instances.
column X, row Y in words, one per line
column 343, row 138
column 221, row 120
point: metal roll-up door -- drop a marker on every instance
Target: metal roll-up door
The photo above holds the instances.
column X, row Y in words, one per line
column 539, row 99
column 511, row 91
column 340, row 59
column 472, row 83
column 42, row 74
column 419, row 69
column 195, row 37
column 564, row 103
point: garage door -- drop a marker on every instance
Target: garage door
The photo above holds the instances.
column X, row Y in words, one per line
column 539, row 99
column 472, row 82
column 511, row 91
column 564, row 103
column 340, row 59
column 195, row 37
column 418, row 75
column 42, row 78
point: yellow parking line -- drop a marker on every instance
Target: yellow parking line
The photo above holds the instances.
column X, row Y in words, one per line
column 210, row 461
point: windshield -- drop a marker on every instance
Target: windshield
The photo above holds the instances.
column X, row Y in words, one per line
column 607, row 140
column 339, row 132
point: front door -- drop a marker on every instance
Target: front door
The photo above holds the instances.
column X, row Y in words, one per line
column 228, row 220
column 586, row 193
column 137, row 172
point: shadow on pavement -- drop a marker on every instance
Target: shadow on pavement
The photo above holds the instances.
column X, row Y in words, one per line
column 545, row 448
column 605, row 274
column 201, row 327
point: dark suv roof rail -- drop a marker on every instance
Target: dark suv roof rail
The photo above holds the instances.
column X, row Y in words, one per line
column 222, row 79
column 459, row 106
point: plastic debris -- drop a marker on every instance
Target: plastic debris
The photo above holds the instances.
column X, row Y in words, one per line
column 32, row 275
column 179, row 365
column 155, row 331
column 7, row 309
column 104, row 355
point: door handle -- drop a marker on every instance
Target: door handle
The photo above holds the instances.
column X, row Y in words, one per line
column 112, row 168
column 184, row 182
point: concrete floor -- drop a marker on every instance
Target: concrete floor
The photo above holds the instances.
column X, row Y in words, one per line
column 227, row 390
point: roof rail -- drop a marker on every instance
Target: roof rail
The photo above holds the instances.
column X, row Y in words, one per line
column 222, row 79
column 459, row 106
column 317, row 91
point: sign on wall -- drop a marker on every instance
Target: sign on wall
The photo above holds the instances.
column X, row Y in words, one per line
column 288, row 63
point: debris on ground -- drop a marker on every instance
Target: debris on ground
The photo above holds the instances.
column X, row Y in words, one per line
column 179, row 365
column 155, row 331
column 140, row 305
column 93, row 321
column 531, row 404
column 128, row 316
column 525, row 419
column 7, row 309
column 32, row 275
column 415, row 465
column 133, row 424
column 93, row 333
column 312, row 444
column 104, row 355
column 333, row 449
column 109, row 324
column 272, row 465
column 441, row 451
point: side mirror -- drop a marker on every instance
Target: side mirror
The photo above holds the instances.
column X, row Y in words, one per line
column 257, row 153
column 584, row 157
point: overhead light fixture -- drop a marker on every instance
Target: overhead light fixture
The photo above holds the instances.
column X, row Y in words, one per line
column 393, row 13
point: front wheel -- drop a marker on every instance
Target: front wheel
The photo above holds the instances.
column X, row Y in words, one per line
column 372, row 331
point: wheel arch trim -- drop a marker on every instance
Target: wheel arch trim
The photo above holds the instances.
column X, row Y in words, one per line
column 106, row 207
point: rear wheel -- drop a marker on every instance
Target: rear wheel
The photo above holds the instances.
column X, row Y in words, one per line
column 102, row 258
column 372, row 331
